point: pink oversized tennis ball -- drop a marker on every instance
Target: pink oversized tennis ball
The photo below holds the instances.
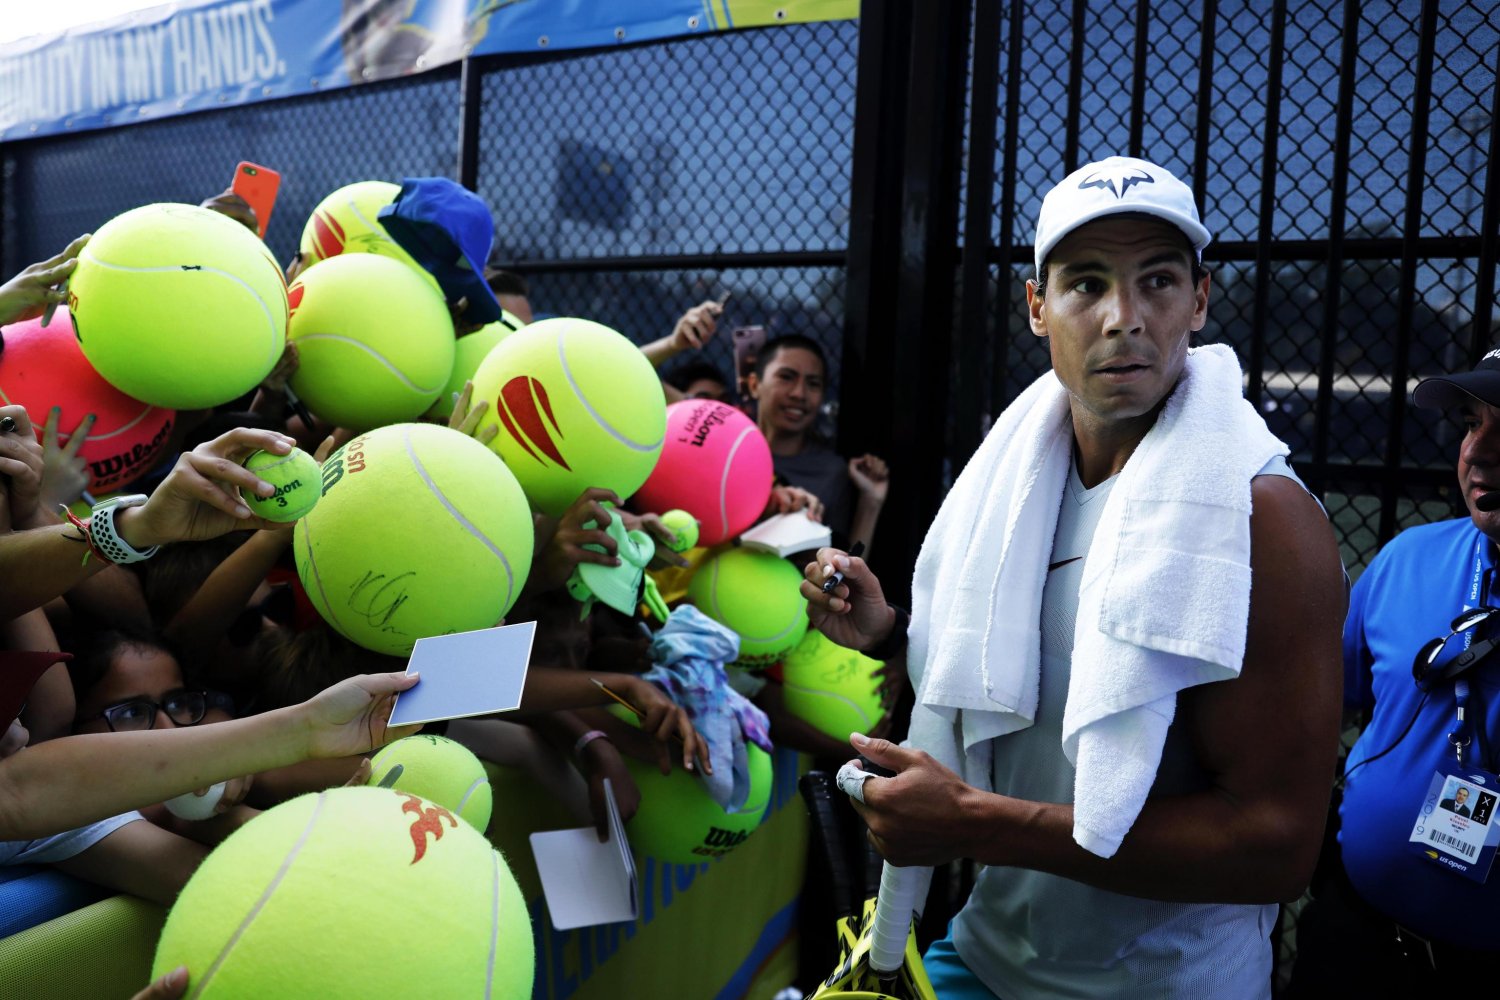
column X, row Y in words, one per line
column 42, row 367
column 715, row 465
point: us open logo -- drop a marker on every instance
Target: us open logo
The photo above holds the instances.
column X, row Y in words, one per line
column 525, row 411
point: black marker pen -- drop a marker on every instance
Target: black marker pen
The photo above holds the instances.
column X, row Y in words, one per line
column 855, row 551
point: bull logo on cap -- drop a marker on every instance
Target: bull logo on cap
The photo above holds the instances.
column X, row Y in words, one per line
column 1105, row 180
column 525, row 411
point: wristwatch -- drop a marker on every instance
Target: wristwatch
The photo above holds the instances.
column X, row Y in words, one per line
column 107, row 538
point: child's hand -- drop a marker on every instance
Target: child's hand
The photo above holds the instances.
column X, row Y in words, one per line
column 665, row 720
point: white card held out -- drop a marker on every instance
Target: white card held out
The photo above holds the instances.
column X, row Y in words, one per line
column 466, row 674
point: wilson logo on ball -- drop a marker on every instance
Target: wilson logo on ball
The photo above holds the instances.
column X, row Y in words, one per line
column 294, row 299
column 522, row 405
column 429, row 821
column 328, row 235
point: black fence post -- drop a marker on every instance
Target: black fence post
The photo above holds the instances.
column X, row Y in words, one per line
column 1009, row 171
column 867, row 372
column 471, row 89
column 1416, row 175
column 1334, row 258
column 1270, row 157
column 973, row 324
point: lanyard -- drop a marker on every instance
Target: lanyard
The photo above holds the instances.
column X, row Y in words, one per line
column 1477, row 590
column 1477, row 595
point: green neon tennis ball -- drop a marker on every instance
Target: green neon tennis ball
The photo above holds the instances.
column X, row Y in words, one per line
column 178, row 306
column 298, row 484
column 832, row 688
column 679, row 821
column 441, row 771
column 349, row 894
column 685, row 526
column 421, row 531
column 468, row 354
column 575, row 405
column 759, row 596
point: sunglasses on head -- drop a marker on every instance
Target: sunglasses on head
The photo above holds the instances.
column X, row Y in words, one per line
column 1432, row 664
column 183, row 707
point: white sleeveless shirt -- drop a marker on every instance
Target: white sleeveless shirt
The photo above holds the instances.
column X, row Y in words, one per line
column 1032, row 934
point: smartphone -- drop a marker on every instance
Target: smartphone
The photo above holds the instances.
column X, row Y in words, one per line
column 747, row 341
column 258, row 186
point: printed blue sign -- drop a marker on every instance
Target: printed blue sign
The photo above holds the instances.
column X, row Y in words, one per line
column 190, row 57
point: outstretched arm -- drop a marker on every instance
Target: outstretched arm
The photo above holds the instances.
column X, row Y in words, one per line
column 70, row 782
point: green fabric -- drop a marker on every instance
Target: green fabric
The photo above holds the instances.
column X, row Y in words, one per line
column 102, row 952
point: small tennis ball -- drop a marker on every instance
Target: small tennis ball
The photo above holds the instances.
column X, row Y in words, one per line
column 715, row 464
column 577, row 405
column 42, row 367
column 685, row 526
column 759, row 596
column 468, row 354
column 179, row 306
column 679, row 821
column 349, row 894
column 420, row 531
column 374, row 343
column 298, row 484
column 441, row 771
column 832, row 688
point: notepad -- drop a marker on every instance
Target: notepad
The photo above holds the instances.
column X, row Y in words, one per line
column 466, row 674
column 787, row 534
column 585, row 882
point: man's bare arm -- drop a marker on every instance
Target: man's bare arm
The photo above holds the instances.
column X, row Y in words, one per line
column 1267, row 739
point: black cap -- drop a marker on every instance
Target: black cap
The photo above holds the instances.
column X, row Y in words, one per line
column 1448, row 391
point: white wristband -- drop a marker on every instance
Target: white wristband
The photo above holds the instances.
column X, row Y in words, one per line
column 107, row 538
column 586, row 739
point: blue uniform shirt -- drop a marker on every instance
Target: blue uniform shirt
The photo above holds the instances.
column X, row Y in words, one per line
column 1410, row 594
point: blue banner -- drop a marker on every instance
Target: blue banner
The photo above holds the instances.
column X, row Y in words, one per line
column 191, row 57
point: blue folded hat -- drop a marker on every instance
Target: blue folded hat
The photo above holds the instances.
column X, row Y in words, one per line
column 448, row 230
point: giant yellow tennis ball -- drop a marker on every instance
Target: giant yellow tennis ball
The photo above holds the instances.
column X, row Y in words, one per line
column 349, row 894
column 832, row 688
column 420, row 531
column 296, row 478
column 178, row 306
column 577, row 405
column 468, row 354
column 375, row 344
column 441, row 771
column 756, row 594
column 679, row 821
column 347, row 221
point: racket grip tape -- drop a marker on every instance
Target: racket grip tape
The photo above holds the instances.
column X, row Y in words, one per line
column 902, row 894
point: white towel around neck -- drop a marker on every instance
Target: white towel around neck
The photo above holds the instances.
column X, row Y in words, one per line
column 1163, row 604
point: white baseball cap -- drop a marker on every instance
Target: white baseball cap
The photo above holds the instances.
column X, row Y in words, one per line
column 1109, row 187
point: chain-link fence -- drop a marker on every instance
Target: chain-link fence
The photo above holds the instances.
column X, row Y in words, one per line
column 867, row 182
column 1347, row 200
column 627, row 184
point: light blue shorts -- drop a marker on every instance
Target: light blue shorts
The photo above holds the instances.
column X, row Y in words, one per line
column 951, row 978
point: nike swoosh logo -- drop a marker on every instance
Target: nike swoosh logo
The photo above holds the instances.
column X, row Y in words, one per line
column 1063, row 563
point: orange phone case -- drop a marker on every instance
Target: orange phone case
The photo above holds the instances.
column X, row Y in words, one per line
column 258, row 186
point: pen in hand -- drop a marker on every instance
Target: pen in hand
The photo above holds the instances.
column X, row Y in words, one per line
column 855, row 551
